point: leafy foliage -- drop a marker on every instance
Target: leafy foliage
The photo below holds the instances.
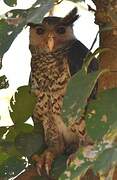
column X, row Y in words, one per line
column 101, row 114
column 22, row 111
column 29, row 143
column 98, row 158
column 8, row 32
column 102, row 128
column 11, row 2
column 12, row 167
column 20, row 139
column 3, row 82
column 79, row 90
column 16, row 19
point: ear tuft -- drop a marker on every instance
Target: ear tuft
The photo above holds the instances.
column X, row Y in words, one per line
column 71, row 17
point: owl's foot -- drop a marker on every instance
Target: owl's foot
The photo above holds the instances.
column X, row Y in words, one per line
column 44, row 162
column 70, row 159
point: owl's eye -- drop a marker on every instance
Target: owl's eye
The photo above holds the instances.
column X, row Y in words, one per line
column 61, row 30
column 40, row 30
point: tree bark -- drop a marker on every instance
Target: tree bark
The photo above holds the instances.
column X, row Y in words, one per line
column 106, row 18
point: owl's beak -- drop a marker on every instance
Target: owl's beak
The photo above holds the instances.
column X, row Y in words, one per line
column 50, row 42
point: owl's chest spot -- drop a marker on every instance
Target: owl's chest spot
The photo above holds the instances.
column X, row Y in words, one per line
column 50, row 74
column 49, row 79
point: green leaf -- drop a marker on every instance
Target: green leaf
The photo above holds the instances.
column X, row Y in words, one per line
column 8, row 33
column 101, row 114
column 111, row 134
column 3, row 130
column 11, row 2
column 15, row 130
column 24, row 105
column 106, row 160
column 10, row 137
column 59, row 166
column 3, row 82
column 30, row 143
column 25, row 128
column 3, row 157
column 35, row 14
column 12, row 167
column 89, row 58
column 78, row 91
column 16, row 19
column 74, row 171
column 9, row 148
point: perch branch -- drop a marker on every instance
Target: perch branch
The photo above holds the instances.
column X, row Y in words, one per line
column 30, row 173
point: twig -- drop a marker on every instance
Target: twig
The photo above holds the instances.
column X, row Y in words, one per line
column 57, row 2
column 94, row 41
column 91, row 9
column 94, row 2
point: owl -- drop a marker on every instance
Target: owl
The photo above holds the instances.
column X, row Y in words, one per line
column 56, row 56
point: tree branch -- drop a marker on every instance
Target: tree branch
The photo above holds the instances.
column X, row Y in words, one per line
column 30, row 173
column 94, row 2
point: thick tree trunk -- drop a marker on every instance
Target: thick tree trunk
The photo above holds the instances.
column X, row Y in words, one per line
column 106, row 18
column 108, row 60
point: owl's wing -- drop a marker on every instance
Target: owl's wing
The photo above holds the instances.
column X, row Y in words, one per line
column 76, row 55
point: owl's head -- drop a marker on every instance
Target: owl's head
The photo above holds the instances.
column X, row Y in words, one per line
column 53, row 32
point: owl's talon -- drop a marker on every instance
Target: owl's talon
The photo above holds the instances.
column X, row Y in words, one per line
column 70, row 159
column 47, row 169
column 39, row 166
column 44, row 162
column 38, row 171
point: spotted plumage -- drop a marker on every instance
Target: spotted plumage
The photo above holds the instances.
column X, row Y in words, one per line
column 56, row 56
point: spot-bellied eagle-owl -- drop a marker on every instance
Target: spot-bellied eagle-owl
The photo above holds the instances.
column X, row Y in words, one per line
column 56, row 56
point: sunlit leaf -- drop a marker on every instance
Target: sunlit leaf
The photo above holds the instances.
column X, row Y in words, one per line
column 111, row 134
column 78, row 91
column 24, row 105
column 3, row 82
column 102, row 113
column 106, row 160
column 11, row 2
column 74, row 171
